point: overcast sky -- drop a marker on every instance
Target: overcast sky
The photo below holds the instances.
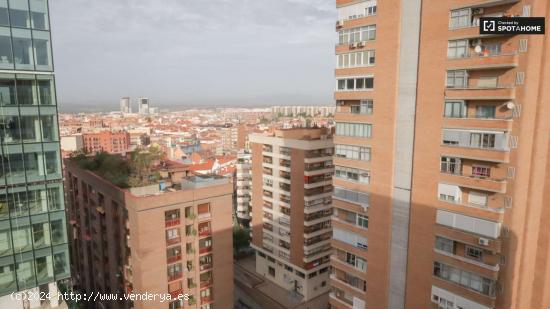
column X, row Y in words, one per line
column 193, row 52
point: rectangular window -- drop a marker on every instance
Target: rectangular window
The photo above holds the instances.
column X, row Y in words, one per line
column 485, row 111
column 477, row 198
column 354, row 129
column 450, row 165
column 455, row 109
column 460, row 18
column 474, row 253
column 457, row 49
column 358, row 34
column 444, row 244
column 353, row 152
column 457, row 79
column 481, row 171
column 482, row 140
column 356, row 59
column 363, row 221
column 467, row 279
column 352, row 174
column 355, row 84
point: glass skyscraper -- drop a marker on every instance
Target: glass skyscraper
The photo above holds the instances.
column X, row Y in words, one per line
column 33, row 237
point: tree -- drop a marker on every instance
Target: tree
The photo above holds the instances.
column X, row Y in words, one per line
column 241, row 239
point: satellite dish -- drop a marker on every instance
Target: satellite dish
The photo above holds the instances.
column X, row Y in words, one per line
column 477, row 49
column 510, row 105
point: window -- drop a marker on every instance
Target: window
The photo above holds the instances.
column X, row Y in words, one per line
column 443, row 303
column 477, row 198
column 354, row 129
column 444, row 244
column 460, row 18
column 482, row 140
column 457, row 79
column 485, row 111
column 356, row 59
column 469, row 280
column 365, row 107
column 481, row 171
column 352, row 174
column 359, row 34
column 487, row 82
column 450, row 165
column 355, row 84
column 271, row 271
column 353, row 152
column 363, row 221
column 455, row 109
column 457, row 49
column 474, row 253
column 492, row 49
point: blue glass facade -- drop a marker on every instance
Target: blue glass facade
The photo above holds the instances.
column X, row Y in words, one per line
column 33, row 234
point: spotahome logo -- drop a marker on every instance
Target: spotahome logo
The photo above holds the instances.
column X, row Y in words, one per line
column 511, row 25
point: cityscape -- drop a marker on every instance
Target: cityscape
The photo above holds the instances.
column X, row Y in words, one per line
column 426, row 188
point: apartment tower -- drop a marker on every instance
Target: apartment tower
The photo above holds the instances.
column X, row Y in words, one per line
column 291, row 205
column 441, row 165
column 244, row 187
column 34, row 254
column 173, row 237
column 125, row 105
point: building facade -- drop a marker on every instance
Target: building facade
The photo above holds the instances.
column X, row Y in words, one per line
column 291, row 206
column 244, row 187
column 173, row 237
column 107, row 141
column 34, row 253
column 143, row 105
column 125, row 105
column 441, row 157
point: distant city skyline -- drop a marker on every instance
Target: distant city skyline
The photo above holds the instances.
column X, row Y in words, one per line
column 214, row 53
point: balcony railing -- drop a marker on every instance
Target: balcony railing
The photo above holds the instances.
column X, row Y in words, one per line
column 172, row 222
column 205, row 250
column 173, row 241
column 172, row 259
column 204, row 233
column 175, row 276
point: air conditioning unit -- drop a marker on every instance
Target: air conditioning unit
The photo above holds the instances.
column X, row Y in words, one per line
column 483, row 241
column 339, row 23
column 361, row 44
column 477, row 11
column 356, row 44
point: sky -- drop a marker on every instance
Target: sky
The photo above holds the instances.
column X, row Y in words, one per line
column 193, row 52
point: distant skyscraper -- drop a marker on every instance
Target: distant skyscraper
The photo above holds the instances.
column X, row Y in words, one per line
column 143, row 105
column 33, row 239
column 125, row 106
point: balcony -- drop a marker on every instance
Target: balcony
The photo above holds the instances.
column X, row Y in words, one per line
column 502, row 123
column 463, row 259
column 173, row 241
column 175, row 276
column 204, row 267
column 204, row 250
column 475, row 182
column 206, row 283
column 205, row 232
column 481, row 62
column 172, row 222
column 340, row 302
column 482, row 154
column 173, row 259
column 500, row 92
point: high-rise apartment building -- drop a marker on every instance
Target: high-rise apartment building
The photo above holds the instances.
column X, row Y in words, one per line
column 291, row 206
column 125, row 105
column 173, row 236
column 441, row 157
column 33, row 240
column 143, row 106
column 244, row 187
